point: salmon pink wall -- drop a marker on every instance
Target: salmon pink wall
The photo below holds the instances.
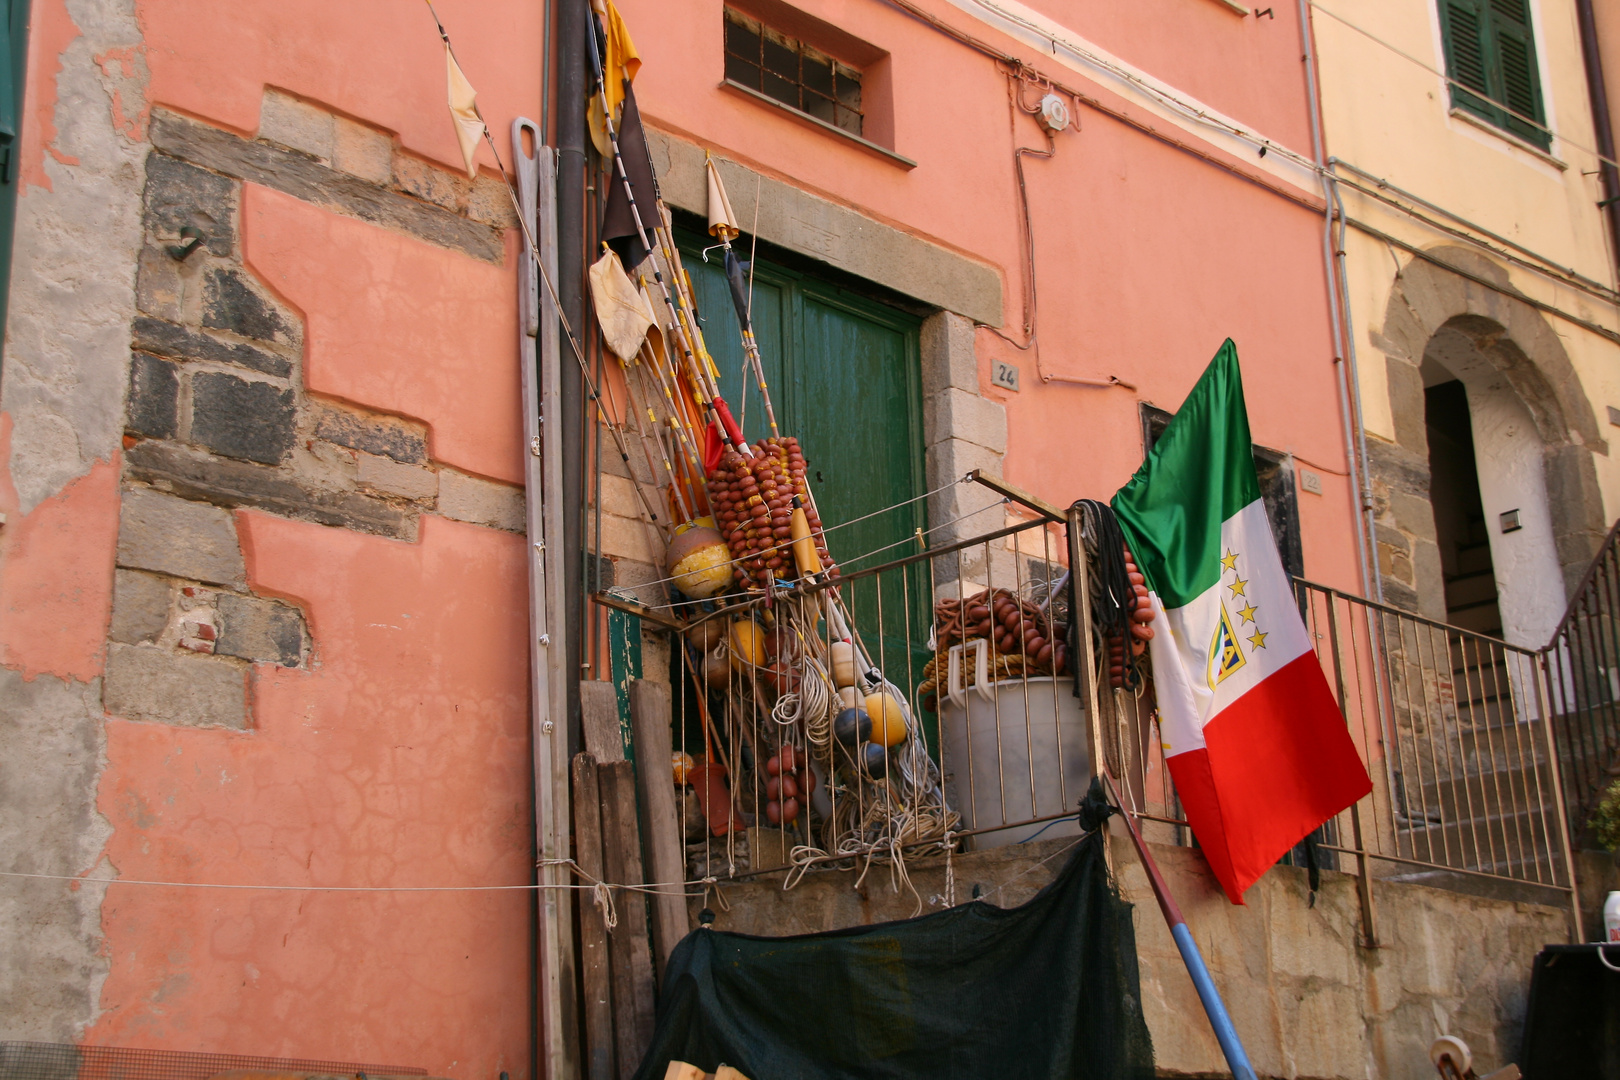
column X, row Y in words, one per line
column 56, row 576
column 399, row 760
column 399, row 325
column 379, row 61
column 1147, row 256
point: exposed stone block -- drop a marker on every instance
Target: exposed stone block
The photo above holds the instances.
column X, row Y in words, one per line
column 383, row 435
column 180, row 195
column 1406, row 402
column 179, row 537
column 490, row 202
column 429, row 182
column 231, row 303
column 241, row 419
column 303, row 177
column 960, row 414
column 1414, row 514
column 386, row 474
column 144, row 682
column 625, row 538
column 618, row 496
column 140, row 608
column 362, row 151
column 297, row 124
column 948, row 354
column 483, row 502
column 260, row 630
column 238, row 483
column 157, row 283
column 166, row 338
column 154, row 397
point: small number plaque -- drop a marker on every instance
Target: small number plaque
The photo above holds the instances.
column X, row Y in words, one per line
column 1004, row 375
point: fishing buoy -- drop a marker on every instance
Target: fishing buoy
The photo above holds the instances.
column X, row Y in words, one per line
column 852, row 727
column 874, row 760
column 681, row 765
column 843, row 663
column 888, row 719
column 698, row 561
column 707, row 634
column 716, row 670
column 804, row 544
column 747, row 642
column 850, row 697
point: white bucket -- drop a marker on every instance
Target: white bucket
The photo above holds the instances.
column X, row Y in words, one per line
column 994, row 732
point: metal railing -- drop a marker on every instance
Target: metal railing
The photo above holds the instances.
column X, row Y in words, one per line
column 1583, row 673
column 1452, row 727
column 1468, row 739
column 994, row 744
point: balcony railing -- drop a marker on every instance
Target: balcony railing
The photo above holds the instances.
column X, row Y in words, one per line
column 971, row 641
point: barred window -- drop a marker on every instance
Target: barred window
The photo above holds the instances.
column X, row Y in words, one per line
column 789, row 71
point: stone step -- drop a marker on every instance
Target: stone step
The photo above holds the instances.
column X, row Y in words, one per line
column 1527, row 787
column 1475, row 844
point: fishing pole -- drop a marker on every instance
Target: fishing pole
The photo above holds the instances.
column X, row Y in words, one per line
column 741, row 302
column 641, row 230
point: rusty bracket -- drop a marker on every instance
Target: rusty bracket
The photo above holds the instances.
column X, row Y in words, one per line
column 1023, row 498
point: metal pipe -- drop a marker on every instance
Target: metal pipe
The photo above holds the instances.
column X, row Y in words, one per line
column 1225, row 1034
column 572, row 18
column 1600, row 120
column 1343, row 374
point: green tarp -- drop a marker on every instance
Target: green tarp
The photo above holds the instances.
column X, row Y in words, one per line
column 976, row 992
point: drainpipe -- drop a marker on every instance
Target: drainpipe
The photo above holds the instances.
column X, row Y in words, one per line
column 572, row 19
column 1609, row 174
column 1355, row 445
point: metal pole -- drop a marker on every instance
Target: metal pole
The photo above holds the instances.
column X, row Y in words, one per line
column 572, row 22
column 1236, row 1059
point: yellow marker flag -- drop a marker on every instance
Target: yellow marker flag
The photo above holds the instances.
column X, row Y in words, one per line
column 618, row 67
column 464, row 111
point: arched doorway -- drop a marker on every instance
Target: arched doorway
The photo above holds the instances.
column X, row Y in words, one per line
column 1487, row 375
column 1488, row 489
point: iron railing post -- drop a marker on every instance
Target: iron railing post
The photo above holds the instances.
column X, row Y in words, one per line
column 1369, row 926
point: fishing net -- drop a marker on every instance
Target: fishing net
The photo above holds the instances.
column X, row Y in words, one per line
column 1046, row 990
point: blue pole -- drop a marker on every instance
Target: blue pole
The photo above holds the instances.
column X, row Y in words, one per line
column 1225, row 1034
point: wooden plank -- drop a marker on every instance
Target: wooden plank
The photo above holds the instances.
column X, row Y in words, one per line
column 594, row 966
column 629, row 948
column 660, row 819
column 599, row 716
column 557, row 1057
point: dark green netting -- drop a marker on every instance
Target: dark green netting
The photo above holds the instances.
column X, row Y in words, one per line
column 1045, row 990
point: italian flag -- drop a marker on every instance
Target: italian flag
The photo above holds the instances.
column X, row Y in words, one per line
column 1255, row 741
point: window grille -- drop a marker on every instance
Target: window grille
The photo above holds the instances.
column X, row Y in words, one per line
column 789, row 71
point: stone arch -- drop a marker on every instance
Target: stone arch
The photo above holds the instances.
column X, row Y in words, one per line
column 1432, row 308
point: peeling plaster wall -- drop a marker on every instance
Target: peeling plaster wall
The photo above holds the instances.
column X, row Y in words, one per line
column 73, row 266
column 61, row 416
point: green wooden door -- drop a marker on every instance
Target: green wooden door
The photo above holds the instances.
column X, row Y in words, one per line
column 844, row 377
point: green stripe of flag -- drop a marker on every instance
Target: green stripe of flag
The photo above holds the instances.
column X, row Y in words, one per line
column 1200, row 473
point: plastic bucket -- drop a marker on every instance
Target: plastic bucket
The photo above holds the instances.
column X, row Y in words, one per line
column 1014, row 751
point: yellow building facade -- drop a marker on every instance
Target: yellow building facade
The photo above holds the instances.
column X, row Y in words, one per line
column 1477, row 292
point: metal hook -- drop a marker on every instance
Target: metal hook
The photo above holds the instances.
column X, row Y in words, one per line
column 193, row 237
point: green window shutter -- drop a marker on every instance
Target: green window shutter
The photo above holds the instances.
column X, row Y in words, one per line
column 1491, row 59
column 1520, row 82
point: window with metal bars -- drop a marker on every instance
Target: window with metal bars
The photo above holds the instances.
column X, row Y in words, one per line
column 1491, row 59
column 787, row 70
